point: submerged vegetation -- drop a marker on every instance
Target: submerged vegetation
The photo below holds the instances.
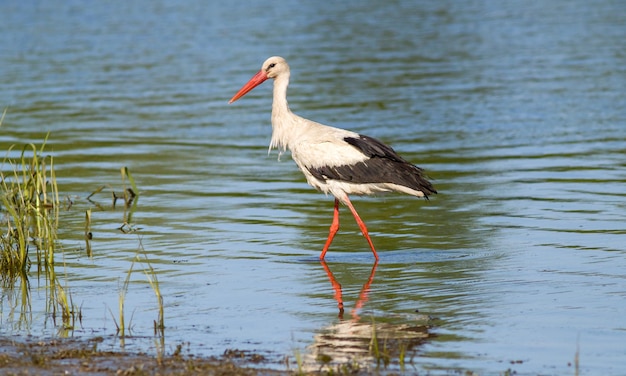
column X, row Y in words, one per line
column 30, row 219
column 123, row 327
column 29, row 246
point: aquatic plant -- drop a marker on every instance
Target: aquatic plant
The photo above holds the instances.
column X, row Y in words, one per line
column 29, row 220
column 30, row 213
column 29, row 200
column 121, row 326
column 88, row 235
column 151, row 276
column 159, row 324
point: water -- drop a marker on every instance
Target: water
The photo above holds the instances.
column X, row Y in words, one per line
column 515, row 109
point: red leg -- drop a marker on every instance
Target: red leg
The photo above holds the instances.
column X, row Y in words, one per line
column 361, row 225
column 334, row 227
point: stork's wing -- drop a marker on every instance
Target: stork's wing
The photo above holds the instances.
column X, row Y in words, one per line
column 381, row 164
column 372, row 147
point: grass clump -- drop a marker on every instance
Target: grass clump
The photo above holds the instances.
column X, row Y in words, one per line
column 30, row 208
column 29, row 215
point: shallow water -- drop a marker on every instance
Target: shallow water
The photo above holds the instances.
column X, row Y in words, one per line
column 516, row 110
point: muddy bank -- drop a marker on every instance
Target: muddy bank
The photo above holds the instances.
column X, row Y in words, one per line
column 76, row 357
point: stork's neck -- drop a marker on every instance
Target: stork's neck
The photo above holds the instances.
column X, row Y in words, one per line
column 284, row 122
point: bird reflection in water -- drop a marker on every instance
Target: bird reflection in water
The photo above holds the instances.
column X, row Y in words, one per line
column 339, row 294
column 365, row 343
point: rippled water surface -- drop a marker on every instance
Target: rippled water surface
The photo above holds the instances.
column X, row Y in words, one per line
column 516, row 110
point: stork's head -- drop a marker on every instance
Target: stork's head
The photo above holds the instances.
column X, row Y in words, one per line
column 273, row 67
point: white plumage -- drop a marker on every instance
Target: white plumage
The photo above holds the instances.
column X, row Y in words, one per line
column 334, row 160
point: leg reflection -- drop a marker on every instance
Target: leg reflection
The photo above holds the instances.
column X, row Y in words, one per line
column 364, row 291
column 363, row 295
column 336, row 287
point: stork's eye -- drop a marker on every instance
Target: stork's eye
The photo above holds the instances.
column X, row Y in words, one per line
column 272, row 65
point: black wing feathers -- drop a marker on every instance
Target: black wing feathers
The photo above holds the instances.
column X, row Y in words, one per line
column 373, row 148
column 383, row 166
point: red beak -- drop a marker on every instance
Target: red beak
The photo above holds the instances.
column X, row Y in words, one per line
column 255, row 81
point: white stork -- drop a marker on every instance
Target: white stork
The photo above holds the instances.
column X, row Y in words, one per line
column 334, row 160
